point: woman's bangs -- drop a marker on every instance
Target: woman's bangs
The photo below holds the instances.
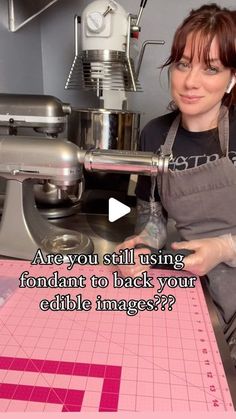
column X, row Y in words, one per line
column 201, row 46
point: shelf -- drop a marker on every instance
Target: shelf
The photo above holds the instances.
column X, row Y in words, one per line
column 21, row 12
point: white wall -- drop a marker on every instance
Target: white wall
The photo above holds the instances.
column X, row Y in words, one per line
column 20, row 56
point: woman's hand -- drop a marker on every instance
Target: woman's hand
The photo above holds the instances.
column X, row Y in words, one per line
column 150, row 233
column 137, row 268
column 207, row 254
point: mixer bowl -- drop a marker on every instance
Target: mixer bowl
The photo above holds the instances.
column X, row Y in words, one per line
column 104, row 129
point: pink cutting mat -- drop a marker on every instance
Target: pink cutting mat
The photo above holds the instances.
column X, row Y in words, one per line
column 107, row 361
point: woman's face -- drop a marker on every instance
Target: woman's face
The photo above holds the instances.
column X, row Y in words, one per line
column 196, row 87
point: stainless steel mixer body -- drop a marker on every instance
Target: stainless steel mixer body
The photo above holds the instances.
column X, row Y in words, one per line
column 46, row 115
column 23, row 230
column 22, row 159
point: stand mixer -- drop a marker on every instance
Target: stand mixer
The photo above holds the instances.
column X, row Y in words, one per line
column 106, row 48
column 24, row 159
column 22, row 114
column 105, row 64
column 23, row 230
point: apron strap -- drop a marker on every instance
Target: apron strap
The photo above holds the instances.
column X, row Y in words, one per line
column 224, row 130
column 166, row 148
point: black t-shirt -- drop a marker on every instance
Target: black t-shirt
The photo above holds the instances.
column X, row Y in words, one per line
column 190, row 149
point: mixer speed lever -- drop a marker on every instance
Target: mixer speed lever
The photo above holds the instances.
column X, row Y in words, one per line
column 112, row 6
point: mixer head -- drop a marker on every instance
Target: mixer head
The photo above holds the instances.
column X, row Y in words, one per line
column 105, row 61
column 45, row 114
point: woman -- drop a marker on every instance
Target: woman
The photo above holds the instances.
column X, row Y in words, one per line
column 200, row 135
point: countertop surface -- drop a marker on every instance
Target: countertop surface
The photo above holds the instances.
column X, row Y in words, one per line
column 106, row 236
column 186, row 323
column 112, row 355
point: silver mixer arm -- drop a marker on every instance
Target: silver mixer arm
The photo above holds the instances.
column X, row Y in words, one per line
column 121, row 161
column 62, row 161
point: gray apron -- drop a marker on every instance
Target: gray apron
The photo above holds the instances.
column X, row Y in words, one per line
column 202, row 201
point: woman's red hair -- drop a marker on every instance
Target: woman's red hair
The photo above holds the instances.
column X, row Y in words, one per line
column 206, row 23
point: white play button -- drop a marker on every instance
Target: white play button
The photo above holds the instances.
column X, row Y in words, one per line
column 116, row 210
